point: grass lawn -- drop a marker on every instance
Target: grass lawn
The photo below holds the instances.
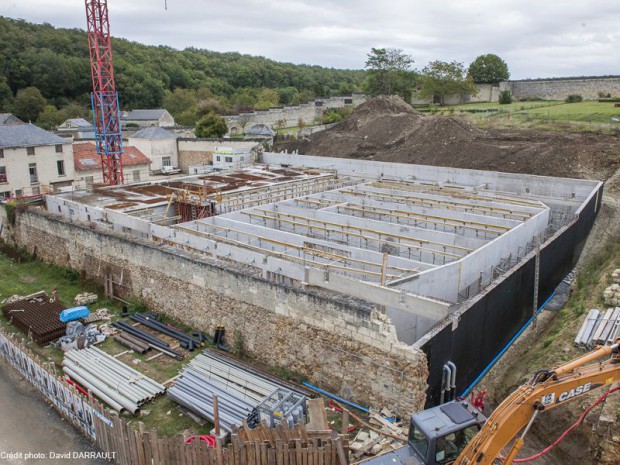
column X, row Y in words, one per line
column 589, row 111
column 514, row 106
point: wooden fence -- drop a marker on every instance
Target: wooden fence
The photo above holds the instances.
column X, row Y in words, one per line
column 126, row 446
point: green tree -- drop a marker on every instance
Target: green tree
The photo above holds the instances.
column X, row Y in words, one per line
column 179, row 100
column 75, row 110
column 441, row 78
column 505, row 97
column 6, row 96
column 211, row 125
column 389, row 73
column 488, row 69
column 267, row 98
column 29, row 103
column 50, row 117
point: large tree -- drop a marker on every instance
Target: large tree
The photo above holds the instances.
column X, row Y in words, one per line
column 489, row 68
column 389, row 73
column 211, row 125
column 443, row 79
column 29, row 103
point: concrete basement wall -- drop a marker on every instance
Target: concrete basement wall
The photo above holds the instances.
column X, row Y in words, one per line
column 342, row 344
column 518, row 184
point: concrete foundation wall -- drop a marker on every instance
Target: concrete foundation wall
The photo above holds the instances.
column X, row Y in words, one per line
column 343, row 345
column 515, row 184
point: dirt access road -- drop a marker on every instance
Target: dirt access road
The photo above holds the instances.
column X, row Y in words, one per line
column 29, row 425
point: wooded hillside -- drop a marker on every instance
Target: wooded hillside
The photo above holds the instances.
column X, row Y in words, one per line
column 56, row 62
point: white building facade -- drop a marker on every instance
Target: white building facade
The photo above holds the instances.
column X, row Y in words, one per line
column 33, row 161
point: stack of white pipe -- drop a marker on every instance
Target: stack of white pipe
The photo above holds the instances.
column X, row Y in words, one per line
column 118, row 385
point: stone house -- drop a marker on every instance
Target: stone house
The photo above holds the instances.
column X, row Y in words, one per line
column 77, row 127
column 158, row 144
column 147, row 118
column 33, row 161
column 87, row 163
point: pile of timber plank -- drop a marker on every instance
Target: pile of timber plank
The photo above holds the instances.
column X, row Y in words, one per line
column 385, row 436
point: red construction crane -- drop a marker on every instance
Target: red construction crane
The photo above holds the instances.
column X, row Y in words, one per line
column 104, row 98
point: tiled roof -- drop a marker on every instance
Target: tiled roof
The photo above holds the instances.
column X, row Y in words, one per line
column 85, row 156
column 78, row 122
column 153, row 132
column 27, row 135
column 8, row 118
column 260, row 130
column 144, row 115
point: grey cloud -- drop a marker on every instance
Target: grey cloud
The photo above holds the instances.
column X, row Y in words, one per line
column 536, row 38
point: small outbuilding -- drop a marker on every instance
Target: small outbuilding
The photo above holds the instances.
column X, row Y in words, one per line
column 147, row 118
column 158, row 144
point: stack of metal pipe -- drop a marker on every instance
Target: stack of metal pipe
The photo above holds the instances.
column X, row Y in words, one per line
column 152, row 341
column 187, row 342
column 239, row 391
column 137, row 345
column 118, row 385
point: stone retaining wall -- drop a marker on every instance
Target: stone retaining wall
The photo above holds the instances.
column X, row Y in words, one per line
column 288, row 117
column 343, row 345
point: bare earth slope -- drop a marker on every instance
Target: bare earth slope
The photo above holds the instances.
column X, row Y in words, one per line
column 388, row 129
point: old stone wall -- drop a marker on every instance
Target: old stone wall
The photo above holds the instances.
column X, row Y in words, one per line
column 343, row 345
column 559, row 89
column 194, row 151
column 289, row 116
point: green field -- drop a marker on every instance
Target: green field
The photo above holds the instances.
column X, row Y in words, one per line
column 593, row 112
column 589, row 111
column 511, row 107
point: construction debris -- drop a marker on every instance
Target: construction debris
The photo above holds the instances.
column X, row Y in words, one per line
column 118, row 385
column 85, row 298
column 372, row 443
column 79, row 336
column 611, row 295
column 599, row 328
column 12, row 299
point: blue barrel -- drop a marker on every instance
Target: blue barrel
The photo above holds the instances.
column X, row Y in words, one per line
column 74, row 313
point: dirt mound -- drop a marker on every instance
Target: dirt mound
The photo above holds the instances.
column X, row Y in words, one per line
column 388, row 129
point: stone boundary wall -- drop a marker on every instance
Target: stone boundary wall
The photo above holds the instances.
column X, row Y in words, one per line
column 194, row 151
column 559, row 89
column 309, row 112
column 542, row 89
column 341, row 344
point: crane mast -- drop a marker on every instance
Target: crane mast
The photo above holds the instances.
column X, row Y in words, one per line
column 104, row 98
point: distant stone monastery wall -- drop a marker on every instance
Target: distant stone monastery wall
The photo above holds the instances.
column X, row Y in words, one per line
column 560, row 88
column 289, row 116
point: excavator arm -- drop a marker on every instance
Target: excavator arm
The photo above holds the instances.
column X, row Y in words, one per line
column 548, row 389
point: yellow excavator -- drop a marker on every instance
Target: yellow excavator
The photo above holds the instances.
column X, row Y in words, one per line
column 456, row 433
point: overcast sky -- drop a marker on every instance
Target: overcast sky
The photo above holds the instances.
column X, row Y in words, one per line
column 537, row 38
